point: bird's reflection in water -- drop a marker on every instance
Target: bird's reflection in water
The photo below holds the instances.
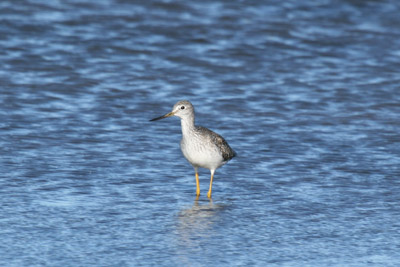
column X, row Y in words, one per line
column 196, row 228
column 196, row 225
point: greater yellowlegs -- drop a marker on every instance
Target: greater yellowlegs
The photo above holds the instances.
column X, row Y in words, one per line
column 200, row 146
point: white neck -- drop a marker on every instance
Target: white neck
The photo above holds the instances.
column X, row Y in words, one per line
column 187, row 124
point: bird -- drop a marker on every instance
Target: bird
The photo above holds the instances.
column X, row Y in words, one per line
column 202, row 147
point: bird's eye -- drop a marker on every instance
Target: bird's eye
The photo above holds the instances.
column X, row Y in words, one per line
column 183, row 107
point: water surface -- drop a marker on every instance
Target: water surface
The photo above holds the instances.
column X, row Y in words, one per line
column 306, row 93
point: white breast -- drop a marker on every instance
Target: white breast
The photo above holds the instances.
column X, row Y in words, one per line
column 201, row 153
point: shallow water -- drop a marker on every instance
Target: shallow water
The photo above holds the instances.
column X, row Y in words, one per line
column 306, row 93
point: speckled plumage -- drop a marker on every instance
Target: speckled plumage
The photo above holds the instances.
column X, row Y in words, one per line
column 200, row 146
column 226, row 151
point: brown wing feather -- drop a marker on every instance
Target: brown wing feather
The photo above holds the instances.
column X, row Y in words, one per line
column 226, row 151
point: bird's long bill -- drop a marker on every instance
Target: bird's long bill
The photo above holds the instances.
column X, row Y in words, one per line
column 164, row 116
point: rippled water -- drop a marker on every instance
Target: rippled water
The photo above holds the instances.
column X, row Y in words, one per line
column 307, row 93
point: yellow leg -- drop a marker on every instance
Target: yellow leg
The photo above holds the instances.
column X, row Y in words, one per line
column 197, row 184
column 211, row 181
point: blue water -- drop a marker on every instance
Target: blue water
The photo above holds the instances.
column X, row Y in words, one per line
column 307, row 93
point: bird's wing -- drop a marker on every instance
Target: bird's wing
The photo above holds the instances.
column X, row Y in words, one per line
column 226, row 151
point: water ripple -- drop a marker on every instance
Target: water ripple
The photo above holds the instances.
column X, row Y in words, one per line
column 306, row 94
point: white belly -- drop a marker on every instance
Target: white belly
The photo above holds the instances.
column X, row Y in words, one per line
column 200, row 154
